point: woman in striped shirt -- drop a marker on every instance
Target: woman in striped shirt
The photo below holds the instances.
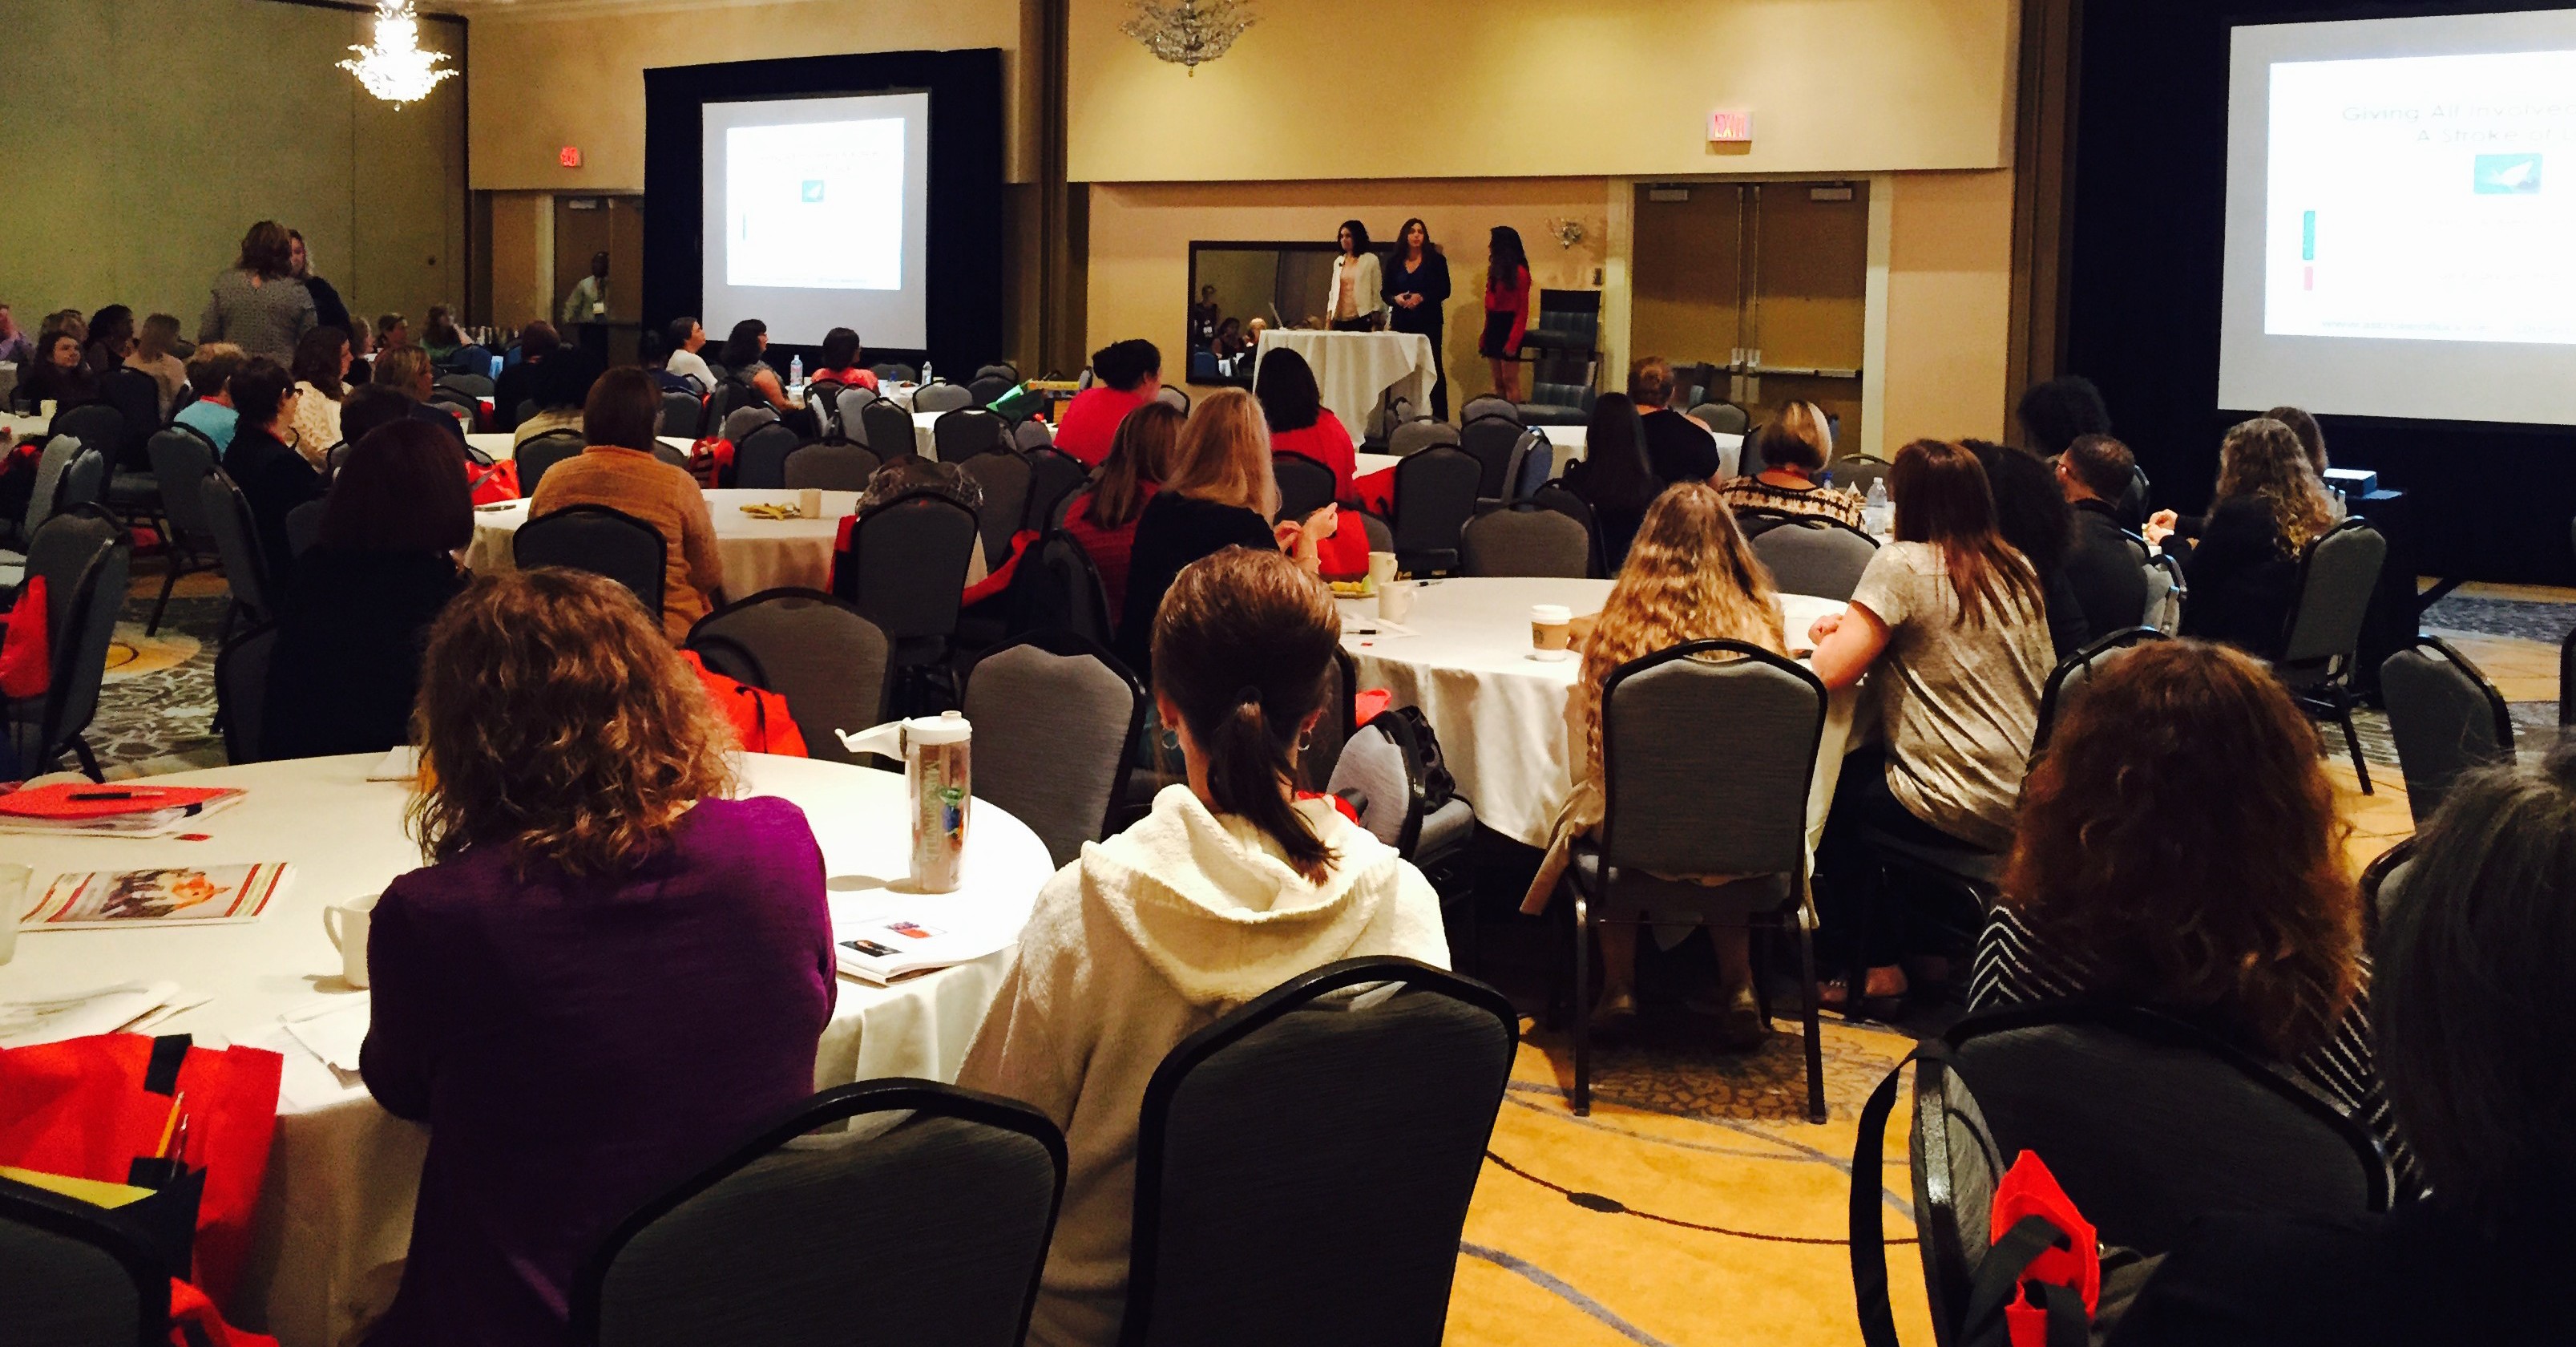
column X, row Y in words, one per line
column 2178, row 848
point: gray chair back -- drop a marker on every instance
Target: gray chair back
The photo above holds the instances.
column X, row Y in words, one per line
column 678, row 458
column 1054, row 717
column 738, row 423
column 1661, row 789
column 760, row 458
column 304, row 527
column 907, row 571
column 1533, row 463
column 72, row 1279
column 237, row 543
column 84, row 480
column 1415, row 436
column 682, row 414
column 925, row 1220
column 1269, row 1128
column 1005, row 479
column 540, row 453
column 999, row 369
column 2446, row 718
column 963, row 434
column 2067, row 682
column 180, row 461
column 1032, row 434
column 1379, row 773
column 471, row 385
column 987, row 387
column 895, row 373
column 135, row 397
column 828, row 467
column 241, row 693
column 2166, row 590
column 1816, row 556
column 1478, row 408
column 829, row 662
column 1058, row 589
column 1305, row 485
column 84, row 556
column 2337, row 576
column 823, row 403
column 1491, row 440
column 1956, row 1169
column 1723, row 417
column 1054, row 476
column 1435, row 496
column 886, row 429
column 942, row 396
column 1175, row 397
column 1554, row 497
column 52, row 463
column 602, row 541
column 95, row 424
column 1856, row 472
column 1525, row 541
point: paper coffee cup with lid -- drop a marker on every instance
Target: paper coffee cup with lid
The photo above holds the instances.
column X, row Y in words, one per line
column 1551, row 630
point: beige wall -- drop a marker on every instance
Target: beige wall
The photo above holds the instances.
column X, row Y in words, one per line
column 167, row 129
column 542, row 81
column 1510, row 88
column 1949, row 305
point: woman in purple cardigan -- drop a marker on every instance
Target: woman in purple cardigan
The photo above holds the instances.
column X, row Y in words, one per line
column 608, row 975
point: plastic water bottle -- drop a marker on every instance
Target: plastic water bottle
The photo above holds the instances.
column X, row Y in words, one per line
column 1876, row 511
column 796, row 372
column 927, row 374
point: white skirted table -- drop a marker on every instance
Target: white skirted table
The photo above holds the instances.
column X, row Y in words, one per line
column 1355, row 369
column 335, row 1219
column 497, row 445
column 758, row 553
column 1504, row 719
column 1570, row 442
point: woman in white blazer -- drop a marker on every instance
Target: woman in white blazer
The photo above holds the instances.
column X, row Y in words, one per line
column 1354, row 304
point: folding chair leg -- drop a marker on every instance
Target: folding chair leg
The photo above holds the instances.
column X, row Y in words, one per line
column 169, row 581
column 1815, row 1027
column 2352, row 741
column 88, row 760
column 1581, row 1011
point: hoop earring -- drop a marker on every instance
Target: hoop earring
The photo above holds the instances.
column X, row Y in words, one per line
column 1305, row 740
column 1172, row 739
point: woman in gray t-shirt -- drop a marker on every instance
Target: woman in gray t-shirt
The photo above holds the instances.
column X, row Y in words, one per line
column 258, row 305
column 1950, row 627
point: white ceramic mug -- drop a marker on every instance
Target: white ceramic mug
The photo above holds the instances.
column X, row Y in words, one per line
column 809, row 502
column 45, row 410
column 1381, row 569
column 346, row 924
column 1395, row 600
column 14, row 880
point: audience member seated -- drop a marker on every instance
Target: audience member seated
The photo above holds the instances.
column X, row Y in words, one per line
column 563, row 388
column 356, row 609
column 210, row 374
column 2032, row 515
column 2103, row 566
column 111, row 341
column 610, row 971
column 1229, row 887
column 1220, row 493
column 901, row 479
column 393, row 332
column 371, row 408
column 1948, row 623
column 2244, row 570
column 1103, row 518
column 1690, row 576
column 618, row 470
column 406, row 370
column 1126, row 375
column 688, row 337
column 321, row 362
column 2178, row 848
column 1793, row 449
column 2312, row 440
column 743, row 356
column 1613, row 476
column 1678, row 448
column 258, row 305
column 262, row 459
column 2470, row 984
column 60, row 375
column 840, row 356
column 152, row 355
column 2061, row 411
column 518, row 383
column 439, row 336
column 1299, row 421
column 17, row 345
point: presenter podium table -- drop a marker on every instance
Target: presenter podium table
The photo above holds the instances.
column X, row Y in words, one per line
column 1355, row 369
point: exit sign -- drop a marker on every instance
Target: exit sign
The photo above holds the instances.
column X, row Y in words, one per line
column 1730, row 128
column 569, row 156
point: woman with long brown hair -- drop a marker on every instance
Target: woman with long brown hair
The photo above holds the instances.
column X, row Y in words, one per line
column 2244, row 570
column 322, row 361
column 1103, row 518
column 606, row 973
column 2178, row 848
column 258, row 304
column 1949, row 624
column 1690, row 576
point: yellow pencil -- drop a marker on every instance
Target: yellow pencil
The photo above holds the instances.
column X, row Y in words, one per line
column 170, row 1127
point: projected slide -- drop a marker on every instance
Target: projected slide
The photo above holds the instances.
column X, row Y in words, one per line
column 2429, row 197
column 816, row 205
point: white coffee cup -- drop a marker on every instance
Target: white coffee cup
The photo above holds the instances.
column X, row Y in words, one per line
column 1381, row 570
column 809, row 502
column 14, row 880
column 1395, row 600
column 1551, row 631
column 45, row 410
column 346, row 924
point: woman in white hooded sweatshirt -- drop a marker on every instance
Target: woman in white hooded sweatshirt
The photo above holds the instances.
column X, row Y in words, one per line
column 1231, row 886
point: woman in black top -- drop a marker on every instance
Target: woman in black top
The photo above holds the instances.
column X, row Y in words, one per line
column 1417, row 291
column 357, row 608
column 262, row 460
column 57, row 374
column 1612, row 476
column 2244, row 570
column 2032, row 514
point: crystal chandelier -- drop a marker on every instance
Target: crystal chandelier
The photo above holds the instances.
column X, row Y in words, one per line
column 1190, row 31
column 394, row 67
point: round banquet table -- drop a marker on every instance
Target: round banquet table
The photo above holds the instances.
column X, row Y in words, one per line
column 758, row 553
column 335, row 1218
column 1463, row 655
column 497, row 445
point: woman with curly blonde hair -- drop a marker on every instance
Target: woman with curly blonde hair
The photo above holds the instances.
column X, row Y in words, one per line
column 2244, row 568
column 606, row 973
column 1690, row 575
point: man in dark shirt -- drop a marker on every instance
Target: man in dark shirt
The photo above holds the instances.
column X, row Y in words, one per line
column 1678, row 448
column 518, row 383
column 2106, row 569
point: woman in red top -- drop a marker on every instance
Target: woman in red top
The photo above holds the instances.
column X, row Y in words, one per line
column 840, row 362
column 1300, row 423
column 1103, row 518
column 1507, row 308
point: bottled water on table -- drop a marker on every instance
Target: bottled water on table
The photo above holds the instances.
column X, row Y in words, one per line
column 796, row 372
column 1877, row 512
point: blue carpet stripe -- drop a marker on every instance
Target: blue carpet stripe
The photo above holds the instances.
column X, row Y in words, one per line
column 1895, row 1203
column 1563, row 1290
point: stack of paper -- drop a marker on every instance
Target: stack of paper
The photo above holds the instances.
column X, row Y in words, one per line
column 104, row 1010
column 112, row 811
column 333, row 1030
column 889, row 949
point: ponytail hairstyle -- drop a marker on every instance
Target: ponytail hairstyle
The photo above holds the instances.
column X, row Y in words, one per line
column 1243, row 648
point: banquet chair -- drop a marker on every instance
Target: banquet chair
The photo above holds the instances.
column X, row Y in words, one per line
column 986, row 388
column 828, row 467
column 1533, row 463
column 2321, row 639
column 540, row 453
column 44, row 495
column 678, row 458
column 460, row 380
column 72, row 1276
column 1661, row 791
column 1435, row 496
column 760, row 458
column 237, row 545
column 823, row 403
column 1054, row 478
column 894, row 373
column 1054, row 714
column 527, row 408
column 1005, row 477
column 1413, row 437
column 738, row 423
column 2446, row 718
column 1058, row 588
column 730, row 395
column 1478, row 409
column 1305, row 485
column 1525, row 540
column 95, row 424
column 469, row 418
column 818, row 652
column 68, row 473
column 134, row 396
column 84, row 555
column 895, row 1210
column 181, row 458
column 847, row 402
column 886, row 430
column 999, row 369
column 942, row 396
column 2167, row 593
column 303, row 528
column 1273, row 1127
column 1816, row 556
column 1723, row 417
column 1033, row 434
column 241, row 693
column 1554, row 496
column 1379, row 773
column 1175, row 397
column 1491, row 441
column 599, row 540
column 1855, row 472
column 682, row 414
column 2076, row 672
column 906, row 573
column 960, row 435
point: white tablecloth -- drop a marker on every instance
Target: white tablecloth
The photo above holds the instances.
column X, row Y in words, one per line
column 497, row 445
column 335, row 1220
column 1355, row 368
column 1502, row 716
column 1369, row 463
column 1569, row 442
column 758, row 553
column 14, row 428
